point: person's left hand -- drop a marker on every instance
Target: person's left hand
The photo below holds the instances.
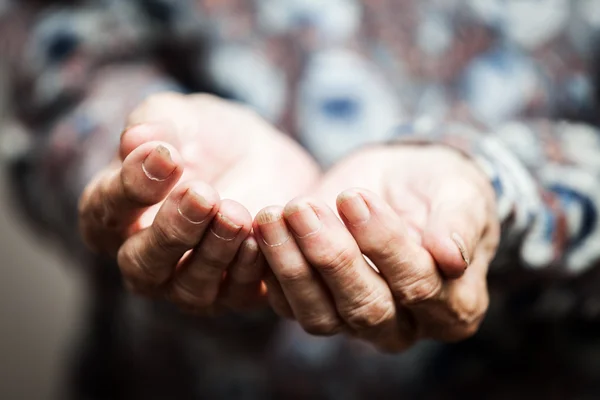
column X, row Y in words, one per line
column 425, row 217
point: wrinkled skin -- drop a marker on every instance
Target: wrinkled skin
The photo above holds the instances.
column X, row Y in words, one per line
column 176, row 209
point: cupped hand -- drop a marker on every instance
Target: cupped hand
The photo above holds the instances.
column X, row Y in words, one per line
column 158, row 207
column 424, row 217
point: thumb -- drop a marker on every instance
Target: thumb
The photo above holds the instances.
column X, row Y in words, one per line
column 454, row 228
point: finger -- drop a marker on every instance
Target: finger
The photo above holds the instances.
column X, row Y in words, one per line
column 117, row 198
column 148, row 258
column 459, row 214
column 460, row 311
column 362, row 297
column 198, row 280
column 136, row 135
column 248, row 266
column 311, row 304
column 382, row 236
column 243, row 287
column 276, row 296
column 466, row 299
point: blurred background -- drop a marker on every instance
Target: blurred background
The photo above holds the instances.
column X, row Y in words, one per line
column 39, row 304
column 41, row 291
column 40, row 301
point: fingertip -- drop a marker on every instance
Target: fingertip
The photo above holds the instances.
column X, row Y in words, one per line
column 303, row 218
column 296, row 205
column 235, row 215
column 352, row 207
column 269, row 215
column 270, row 227
column 358, row 205
column 149, row 173
column 159, row 164
column 347, row 194
column 449, row 251
column 368, row 195
column 159, row 149
column 196, row 202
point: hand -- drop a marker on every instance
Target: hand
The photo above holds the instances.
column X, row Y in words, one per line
column 423, row 215
column 158, row 207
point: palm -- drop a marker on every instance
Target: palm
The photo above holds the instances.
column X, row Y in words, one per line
column 380, row 172
column 240, row 155
column 410, row 179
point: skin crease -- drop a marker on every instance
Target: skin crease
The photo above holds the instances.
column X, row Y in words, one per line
column 176, row 205
column 422, row 230
column 176, row 209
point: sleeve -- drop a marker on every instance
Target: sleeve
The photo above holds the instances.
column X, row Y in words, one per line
column 533, row 128
column 72, row 73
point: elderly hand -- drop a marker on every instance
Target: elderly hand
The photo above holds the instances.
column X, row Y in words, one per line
column 425, row 218
column 158, row 205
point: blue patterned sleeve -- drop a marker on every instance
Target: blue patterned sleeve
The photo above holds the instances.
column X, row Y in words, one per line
column 73, row 73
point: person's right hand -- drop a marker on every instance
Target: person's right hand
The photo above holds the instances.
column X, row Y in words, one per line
column 157, row 207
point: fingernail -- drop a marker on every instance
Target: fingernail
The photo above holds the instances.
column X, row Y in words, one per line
column 272, row 229
column 194, row 207
column 158, row 165
column 462, row 247
column 353, row 207
column 224, row 228
column 304, row 221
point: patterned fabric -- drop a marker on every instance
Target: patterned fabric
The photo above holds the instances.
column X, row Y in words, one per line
column 511, row 82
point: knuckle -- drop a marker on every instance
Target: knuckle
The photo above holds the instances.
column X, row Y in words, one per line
column 171, row 239
column 134, row 267
column 460, row 316
column 467, row 307
column 321, row 326
column 419, row 291
column 370, row 313
column 335, row 261
column 388, row 249
column 293, row 274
